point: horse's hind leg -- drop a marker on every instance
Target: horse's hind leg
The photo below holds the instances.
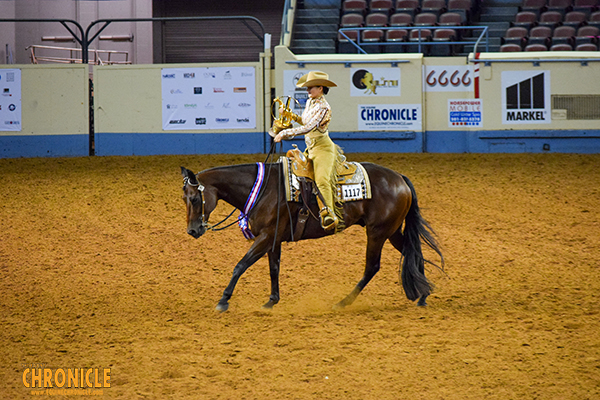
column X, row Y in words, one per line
column 274, row 262
column 397, row 240
column 374, row 246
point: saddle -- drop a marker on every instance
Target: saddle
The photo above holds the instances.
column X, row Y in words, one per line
column 302, row 166
column 353, row 184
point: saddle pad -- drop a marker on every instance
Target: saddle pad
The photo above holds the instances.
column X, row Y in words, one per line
column 349, row 188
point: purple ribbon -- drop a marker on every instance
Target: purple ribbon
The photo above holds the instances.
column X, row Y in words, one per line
column 251, row 201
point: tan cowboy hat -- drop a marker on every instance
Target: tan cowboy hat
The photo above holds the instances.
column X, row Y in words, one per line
column 315, row 78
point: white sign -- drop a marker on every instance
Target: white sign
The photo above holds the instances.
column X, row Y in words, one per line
column 375, row 82
column 389, row 117
column 208, row 98
column 526, row 97
column 465, row 113
column 449, row 78
column 290, row 78
column 10, row 99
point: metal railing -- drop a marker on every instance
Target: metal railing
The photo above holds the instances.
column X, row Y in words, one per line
column 99, row 57
column 420, row 42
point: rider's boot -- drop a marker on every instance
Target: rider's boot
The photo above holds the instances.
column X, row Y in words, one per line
column 328, row 217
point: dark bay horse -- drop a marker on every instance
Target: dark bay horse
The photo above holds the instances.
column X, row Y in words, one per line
column 393, row 204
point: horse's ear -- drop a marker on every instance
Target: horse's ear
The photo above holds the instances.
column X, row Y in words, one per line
column 186, row 173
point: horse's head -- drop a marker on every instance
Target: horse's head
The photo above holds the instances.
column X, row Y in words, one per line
column 199, row 203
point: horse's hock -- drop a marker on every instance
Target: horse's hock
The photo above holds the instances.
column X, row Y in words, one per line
column 97, row 271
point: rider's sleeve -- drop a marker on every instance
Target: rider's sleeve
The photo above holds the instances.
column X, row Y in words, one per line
column 313, row 119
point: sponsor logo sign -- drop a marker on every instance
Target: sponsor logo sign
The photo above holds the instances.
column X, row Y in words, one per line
column 10, row 101
column 186, row 92
column 382, row 117
column 465, row 113
column 375, row 82
column 450, row 78
column 526, row 97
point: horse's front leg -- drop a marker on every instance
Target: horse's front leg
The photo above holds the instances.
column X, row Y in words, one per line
column 274, row 262
column 258, row 249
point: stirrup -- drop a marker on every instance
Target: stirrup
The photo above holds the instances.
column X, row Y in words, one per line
column 328, row 219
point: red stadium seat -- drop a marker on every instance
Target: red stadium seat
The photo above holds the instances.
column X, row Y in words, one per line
column 376, row 19
column 401, row 19
column 526, row 19
column 536, row 47
column 411, row 7
column 510, row 47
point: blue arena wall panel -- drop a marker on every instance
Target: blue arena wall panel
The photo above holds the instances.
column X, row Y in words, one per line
column 44, row 146
column 146, row 144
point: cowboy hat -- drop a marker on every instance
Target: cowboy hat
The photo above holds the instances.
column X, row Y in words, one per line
column 315, row 78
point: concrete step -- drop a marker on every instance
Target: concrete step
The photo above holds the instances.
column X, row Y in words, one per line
column 315, row 35
column 313, row 43
column 326, row 28
column 313, row 50
column 318, row 12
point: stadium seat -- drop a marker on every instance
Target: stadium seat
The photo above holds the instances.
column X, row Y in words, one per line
column 540, row 35
column 425, row 19
column 344, row 45
column 413, row 36
column 587, row 34
column 376, row 19
column 354, row 7
column 372, row 36
column 461, row 7
column 536, row 47
column 561, row 6
column 550, row 18
column 561, row 47
column 450, row 19
column 594, row 19
column 515, row 35
column 401, row 19
column 410, row 7
column 443, row 35
column 535, row 6
column 574, row 19
column 381, row 6
column 395, row 36
column 510, row 47
column 352, row 21
column 586, row 47
column 526, row 19
column 585, row 6
column 436, row 7
column 563, row 35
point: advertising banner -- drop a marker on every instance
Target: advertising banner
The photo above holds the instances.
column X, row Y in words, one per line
column 10, row 100
column 290, row 78
column 463, row 112
column 208, row 98
column 526, row 97
column 375, row 82
column 448, row 78
column 389, row 117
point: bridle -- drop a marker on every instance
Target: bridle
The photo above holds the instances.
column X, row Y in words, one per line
column 203, row 221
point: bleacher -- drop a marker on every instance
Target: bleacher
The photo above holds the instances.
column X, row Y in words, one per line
column 397, row 26
column 554, row 25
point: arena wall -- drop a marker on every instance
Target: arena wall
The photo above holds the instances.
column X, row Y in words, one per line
column 568, row 119
column 53, row 108
column 524, row 103
column 128, row 113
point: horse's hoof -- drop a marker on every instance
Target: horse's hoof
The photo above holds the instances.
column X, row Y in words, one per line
column 222, row 307
column 339, row 306
column 422, row 303
column 268, row 305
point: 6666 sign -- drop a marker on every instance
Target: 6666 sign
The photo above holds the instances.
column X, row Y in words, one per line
column 453, row 78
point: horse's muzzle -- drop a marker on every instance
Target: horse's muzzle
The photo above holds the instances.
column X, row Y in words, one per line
column 196, row 232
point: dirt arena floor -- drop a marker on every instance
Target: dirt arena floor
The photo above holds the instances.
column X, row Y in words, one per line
column 97, row 271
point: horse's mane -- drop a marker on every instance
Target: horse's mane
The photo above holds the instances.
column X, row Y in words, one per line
column 226, row 167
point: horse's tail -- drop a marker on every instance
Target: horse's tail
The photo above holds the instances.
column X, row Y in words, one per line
column 416, row 229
